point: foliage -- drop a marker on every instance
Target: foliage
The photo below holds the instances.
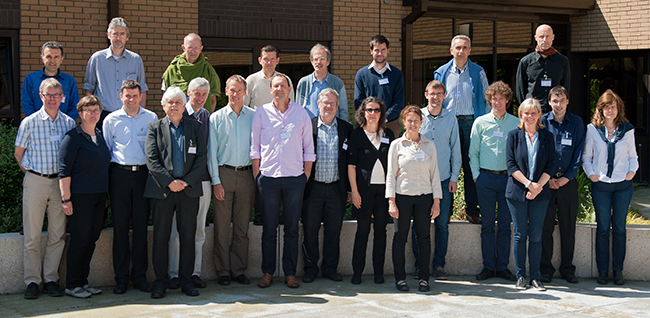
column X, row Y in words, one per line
column 11, row 192
column 586, row 212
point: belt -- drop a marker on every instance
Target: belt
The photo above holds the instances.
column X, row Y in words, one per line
column 494, row 172
column 558, row 175
column 465, row 116
column 49, row 176
column 240, row 168
column 327, row 183
column 130, row 168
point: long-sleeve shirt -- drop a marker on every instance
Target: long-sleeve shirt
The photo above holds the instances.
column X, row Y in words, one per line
column 443, row 130
column 230, row 139
column 533, row 69
column 412, row 170
column 460, row 96
column 125, row 135
column 308, row 89
column 84, row 161
column 258, row 89
column 282, row 142
column 569, row 138
column 487, row 146
column 203, row 117
column 389, row 86
column 31, row 99
column 595, row 156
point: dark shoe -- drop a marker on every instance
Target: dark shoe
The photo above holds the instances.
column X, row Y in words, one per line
column 423, row 286
column 379, row 279
column 402, row 286
column 439, row 273
column 174, row 283
column 190, row 290
column 198, row 282
column 602, row 278
column 537, row 285
column 52, row 289
column 546, row 278
column 507, row 275
column 291, row 281
column 224, row 280
column 521, row 283
column 119, row 289
column 416, row 273
column 474, row 218
column 570, row 278
column 308, row 278
column 143, row 286
column 335, row 277
column 257, row 220
column 265, row 281
column 617, row 277
column 485, row 274
column 356, row 279
column 32, row 291
column 158, row 293
column 242, row 279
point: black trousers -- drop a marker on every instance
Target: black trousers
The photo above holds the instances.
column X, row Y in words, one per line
column 186, row 209
column 129, row 208
column 564, row 203
column 323, row 204
column 377, row 207
column 85, row 226
column 418, row 207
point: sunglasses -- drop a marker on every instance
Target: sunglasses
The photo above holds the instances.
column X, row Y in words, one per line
column 373, row 110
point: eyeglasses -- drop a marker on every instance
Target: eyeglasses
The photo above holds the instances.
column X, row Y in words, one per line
column 94, row 111
column 319, row 59
column 193, row 48
column 51, row 96
column 373, row 110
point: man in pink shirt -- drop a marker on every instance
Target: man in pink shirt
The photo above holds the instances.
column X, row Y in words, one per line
column 282, row 152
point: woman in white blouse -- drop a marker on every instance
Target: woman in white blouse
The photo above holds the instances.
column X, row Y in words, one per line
column 610, row 161
column 413, row 190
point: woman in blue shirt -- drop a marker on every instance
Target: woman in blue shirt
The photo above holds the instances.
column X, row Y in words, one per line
column 530, row 158
column 610, row 161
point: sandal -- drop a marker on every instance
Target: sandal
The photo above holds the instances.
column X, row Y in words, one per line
column 402, row 286
column 424, row 286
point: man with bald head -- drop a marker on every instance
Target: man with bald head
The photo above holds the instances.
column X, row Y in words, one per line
column 542, row 69
column 190, row 65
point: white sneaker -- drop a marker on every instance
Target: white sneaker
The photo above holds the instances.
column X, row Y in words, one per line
column 78, row 292
column 92, row 290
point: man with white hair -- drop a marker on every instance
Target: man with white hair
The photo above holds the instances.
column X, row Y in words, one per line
column 109, row 68
column 176, row 158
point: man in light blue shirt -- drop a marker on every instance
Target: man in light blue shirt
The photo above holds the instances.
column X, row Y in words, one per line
column 311, row 85
column 440, row 125
column 465, row 83
column 487, row 159
column 232, row 181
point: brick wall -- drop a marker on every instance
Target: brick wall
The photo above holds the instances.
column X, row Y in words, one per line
column 157, row 31
column 355, row 22
column 278, row 19
column 10, row 14
column 612, row 25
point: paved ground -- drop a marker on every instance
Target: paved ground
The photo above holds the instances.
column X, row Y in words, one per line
column 457, row 297
column 641, row 201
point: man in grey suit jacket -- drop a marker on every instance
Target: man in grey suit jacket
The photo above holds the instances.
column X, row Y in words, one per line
column 176, row 157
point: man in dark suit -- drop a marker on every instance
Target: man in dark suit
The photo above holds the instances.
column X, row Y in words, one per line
column 176, row 157
column 326, row 190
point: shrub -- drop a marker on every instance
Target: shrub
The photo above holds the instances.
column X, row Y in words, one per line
column 11, row 192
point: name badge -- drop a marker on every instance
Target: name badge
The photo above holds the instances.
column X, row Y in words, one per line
column 191, row 150
column 55, row 138
column 383, row 81
column 419, row 155
column 497, row 133
column 566, row 141
column 63, row 99
column 546, row 83
column 285, row 135
column 345, row 146
column 384, row 140
column 140, row 138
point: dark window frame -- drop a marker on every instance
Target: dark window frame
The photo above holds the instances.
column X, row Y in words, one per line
column 15, row 111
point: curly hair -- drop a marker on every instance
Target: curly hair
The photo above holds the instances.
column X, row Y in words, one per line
column 498, row 87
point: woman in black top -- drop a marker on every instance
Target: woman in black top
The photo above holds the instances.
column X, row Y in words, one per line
column 83, row 180
column 367, row 165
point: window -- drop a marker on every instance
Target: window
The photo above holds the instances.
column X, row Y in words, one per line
column 9, row 90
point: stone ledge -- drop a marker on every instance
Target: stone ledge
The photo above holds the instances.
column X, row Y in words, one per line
column 463, row 256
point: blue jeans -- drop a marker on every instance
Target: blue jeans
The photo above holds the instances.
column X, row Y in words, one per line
column 528, row 219
column 492, row 189
column 441, row 223
column 611, row 202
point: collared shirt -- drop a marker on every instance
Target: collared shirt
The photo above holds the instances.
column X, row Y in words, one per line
column 105, row 75
column 487, row 146
column 125, row 135
column 595, row 156
column 230, row 139
column 532, row 146
column 282, row 142
column 412, row 170
column 460, row 91
column 177, row 134
column 316, row 88
column 569, row 138
column 381, row 71
column 258, row 89
column 533, row 69
column 328, row 152
column 203, row 117
column 443, row 131
column 41, row 137
column 31, row 98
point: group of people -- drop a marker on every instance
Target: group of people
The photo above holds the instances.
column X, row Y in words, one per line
column 291, row 154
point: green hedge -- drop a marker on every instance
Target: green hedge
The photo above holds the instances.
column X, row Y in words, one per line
column 11, row 192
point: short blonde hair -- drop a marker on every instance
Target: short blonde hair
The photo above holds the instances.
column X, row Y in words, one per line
column 531, row 104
